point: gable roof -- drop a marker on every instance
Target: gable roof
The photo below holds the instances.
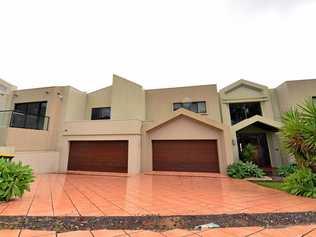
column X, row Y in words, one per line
column 268, row 124
column 242, row 82
column 189, row 114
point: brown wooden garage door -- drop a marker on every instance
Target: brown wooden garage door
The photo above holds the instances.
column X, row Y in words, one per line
column 185, row 155
column 104, row 156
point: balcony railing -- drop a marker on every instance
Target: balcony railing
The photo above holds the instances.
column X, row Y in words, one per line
column 14, row 119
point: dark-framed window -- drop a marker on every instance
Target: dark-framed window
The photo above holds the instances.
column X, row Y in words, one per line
column 314, row 99
column 30, row 115
column 241, row 111
column 101, row 113
column 196, row 106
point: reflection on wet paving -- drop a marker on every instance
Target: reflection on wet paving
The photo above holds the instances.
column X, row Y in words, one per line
column 91, row 195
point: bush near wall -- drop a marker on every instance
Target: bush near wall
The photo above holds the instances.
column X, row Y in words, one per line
column 302, row 183
column 241, row 170
column 286, row 170
column 15, row 179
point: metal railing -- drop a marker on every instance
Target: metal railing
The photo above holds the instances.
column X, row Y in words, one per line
column 15, row 119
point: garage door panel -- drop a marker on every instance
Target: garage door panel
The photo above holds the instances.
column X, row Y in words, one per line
column 104, row 156
column 185, row 155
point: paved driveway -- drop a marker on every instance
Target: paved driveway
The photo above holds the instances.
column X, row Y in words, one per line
column 292, row 231
column 88, row 195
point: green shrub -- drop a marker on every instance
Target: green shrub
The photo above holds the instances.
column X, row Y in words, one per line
column 240, row 170
column 302, row 183
column 286, row 170
column 15, row 178
column 248, row 152
column 298, row 133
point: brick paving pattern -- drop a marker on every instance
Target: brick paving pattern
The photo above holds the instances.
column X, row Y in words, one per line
column 90, row 195
column 292, row 231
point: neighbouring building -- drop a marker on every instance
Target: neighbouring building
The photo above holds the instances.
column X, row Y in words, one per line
column 125, row 128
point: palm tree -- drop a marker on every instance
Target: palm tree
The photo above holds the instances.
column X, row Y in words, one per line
column 299, row 133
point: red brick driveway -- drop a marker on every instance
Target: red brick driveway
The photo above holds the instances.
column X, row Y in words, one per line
column 88, row 195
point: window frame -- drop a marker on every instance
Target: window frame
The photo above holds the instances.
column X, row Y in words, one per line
column 100, row 118
column 192, row 103
column 246, row 117
column 39, row 116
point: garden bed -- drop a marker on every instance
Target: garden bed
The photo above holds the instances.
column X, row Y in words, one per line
column 155, row 223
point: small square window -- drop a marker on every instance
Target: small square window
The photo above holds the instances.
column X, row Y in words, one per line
column 197, row 107
column 101, row 113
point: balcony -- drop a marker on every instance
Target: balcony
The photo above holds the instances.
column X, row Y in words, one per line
column 14, row 119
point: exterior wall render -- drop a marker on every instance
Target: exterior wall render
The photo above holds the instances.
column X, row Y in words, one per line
column 129, row 130
column 159, row 102
column 127, row 101
column 134, row 149
column 99, row 98
column 37, row 139
column 291, row 93
column 133, row 110
column 40, row 161
column 183, row 128
column 243, row 91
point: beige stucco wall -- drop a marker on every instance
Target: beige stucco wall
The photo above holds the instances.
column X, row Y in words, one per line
column 70, row 111
column 288, row 94
column 40, row 161
column 102, row 127
column 5, row 94
column 129, row 130
column 291, row 93
column 244, row 92
column 184, row 128
column 63, row 104
column 134, row 149
column 29, row 139
column 75, row 102
column 275, row 105
column 5, row 100
column 128, row 100
column 99, row 98
column 3, row 136
column 159, row 102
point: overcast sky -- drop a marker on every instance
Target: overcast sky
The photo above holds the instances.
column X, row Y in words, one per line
column 161, row 43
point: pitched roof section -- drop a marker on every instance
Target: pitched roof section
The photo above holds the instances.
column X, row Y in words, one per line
column 267, row 124
column 188, row 114
column 243, row 82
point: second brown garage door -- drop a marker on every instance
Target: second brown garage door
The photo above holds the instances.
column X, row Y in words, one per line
column 185, row 155
column 104, row 156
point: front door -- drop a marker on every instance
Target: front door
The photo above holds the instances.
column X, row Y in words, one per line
column 259, row 140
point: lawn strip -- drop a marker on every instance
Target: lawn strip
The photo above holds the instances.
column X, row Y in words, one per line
column 271, row 184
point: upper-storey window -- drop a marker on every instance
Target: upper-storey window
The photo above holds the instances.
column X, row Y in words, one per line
column 101, row 113
column 241, row 111
column 197, row 107
column 30, row 115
